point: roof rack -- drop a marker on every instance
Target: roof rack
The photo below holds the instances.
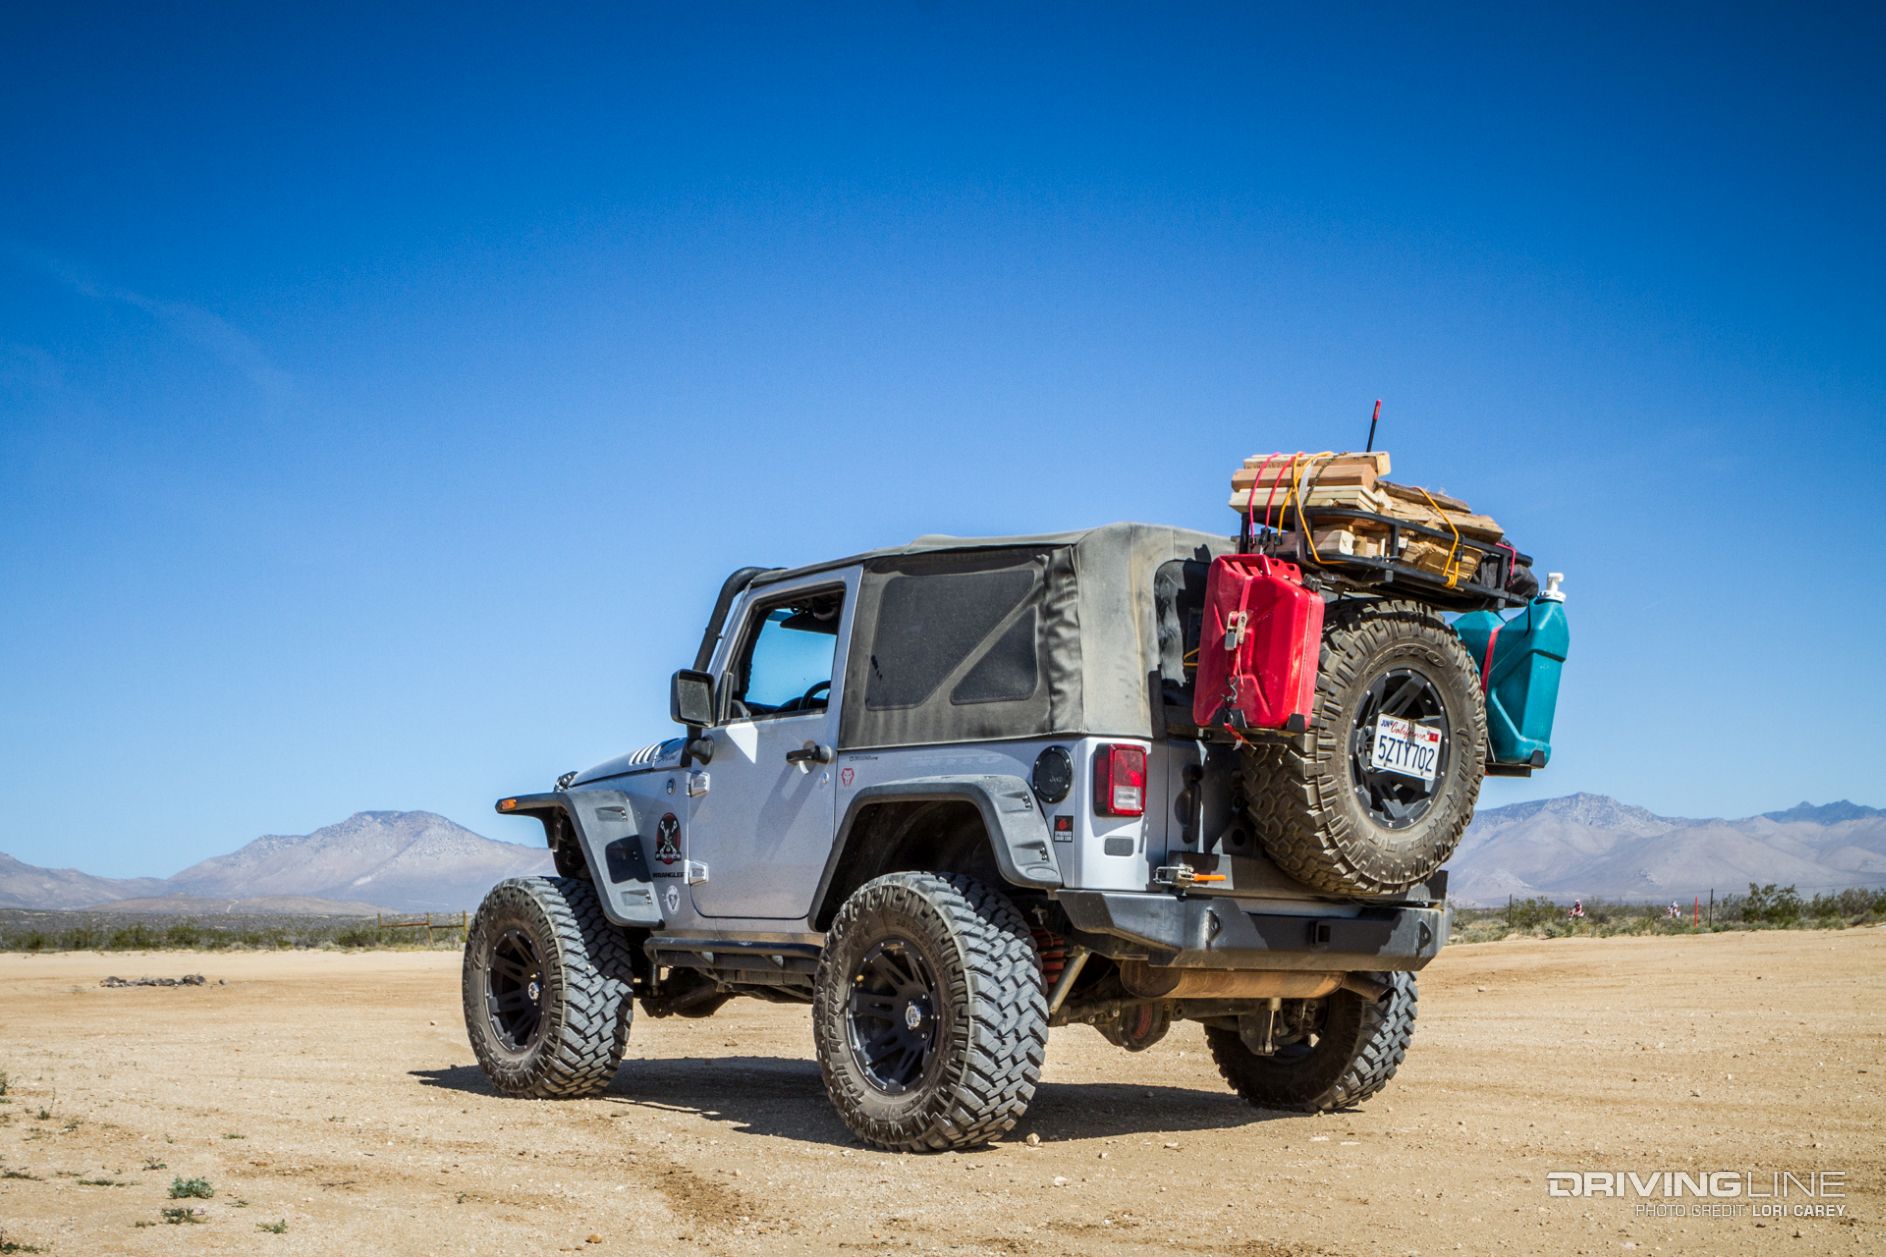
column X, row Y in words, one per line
column 1486, row 588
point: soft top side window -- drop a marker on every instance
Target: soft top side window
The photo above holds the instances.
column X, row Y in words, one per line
column 786, row 658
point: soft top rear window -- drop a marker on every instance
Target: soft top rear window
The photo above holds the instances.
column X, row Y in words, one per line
column 1179, row 604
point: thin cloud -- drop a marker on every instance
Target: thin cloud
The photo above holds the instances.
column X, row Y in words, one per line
column 192, row 324
column 233, row 347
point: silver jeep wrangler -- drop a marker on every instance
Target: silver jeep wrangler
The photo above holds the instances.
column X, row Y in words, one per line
column 950, row 795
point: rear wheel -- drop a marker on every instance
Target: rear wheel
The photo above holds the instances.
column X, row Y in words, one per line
column 1337, row 815
column 1340, row 1056
column 546, row 989
column 929, row 1015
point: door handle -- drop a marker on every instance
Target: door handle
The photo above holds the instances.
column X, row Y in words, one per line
column 811, row 753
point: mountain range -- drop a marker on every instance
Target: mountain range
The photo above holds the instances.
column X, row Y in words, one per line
column 404, row 861
column 1579, row 845
column 1593, row 845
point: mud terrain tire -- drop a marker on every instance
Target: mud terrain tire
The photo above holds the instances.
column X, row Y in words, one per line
column 929, row 1016
column 1322, row 814
column 1362, row 1044
column 547, row 989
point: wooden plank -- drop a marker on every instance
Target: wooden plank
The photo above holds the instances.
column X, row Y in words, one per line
column 1245, row 477
column 1412, row 494
column 1431, row 555
column 1481, row 528
column 1350, row 541
column 1354, row 496
column 1476, row 528
column 1408, row 502
column 1378, row 459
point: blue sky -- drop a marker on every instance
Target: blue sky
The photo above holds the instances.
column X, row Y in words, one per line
column 383, row 396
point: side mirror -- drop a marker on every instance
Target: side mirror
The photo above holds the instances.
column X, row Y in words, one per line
column 691, row 699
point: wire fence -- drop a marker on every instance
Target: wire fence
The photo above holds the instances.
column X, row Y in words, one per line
column 454, row 921
column 1761, row 905
column 37, row 930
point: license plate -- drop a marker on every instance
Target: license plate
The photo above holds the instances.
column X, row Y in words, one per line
column 1404, row 747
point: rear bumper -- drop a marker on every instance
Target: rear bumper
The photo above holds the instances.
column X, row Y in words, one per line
column 1198, row 932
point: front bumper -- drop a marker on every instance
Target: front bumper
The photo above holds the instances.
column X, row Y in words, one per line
column 1199, row 932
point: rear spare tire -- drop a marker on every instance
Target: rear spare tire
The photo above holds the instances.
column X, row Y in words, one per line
column 547, row 989
column 1326, row 811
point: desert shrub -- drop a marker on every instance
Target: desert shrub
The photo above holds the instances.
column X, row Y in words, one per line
column 372, row 934
column 1787, row 907
column 1856, row 904
column 1478, row 925
column 1533, row 913
column 1615, row 915
column 136, row 936
column 1755, row 903
column 1771, row 905
column 190, row 1188
column 84, row 938
column 48, row 931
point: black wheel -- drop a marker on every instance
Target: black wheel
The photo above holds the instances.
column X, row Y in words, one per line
column 929, row 1015
column 547, row 989
column 1344, row 1051
column 892, row 1017
column 1375, row 796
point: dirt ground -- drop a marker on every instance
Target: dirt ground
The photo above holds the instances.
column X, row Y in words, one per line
column 336, row 1093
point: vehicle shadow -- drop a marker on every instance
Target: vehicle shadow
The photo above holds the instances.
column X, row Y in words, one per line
column 785, row 1098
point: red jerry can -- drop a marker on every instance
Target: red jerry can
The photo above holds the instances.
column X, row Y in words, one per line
column 1258, row 646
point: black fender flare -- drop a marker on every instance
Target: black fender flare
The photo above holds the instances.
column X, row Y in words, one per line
column 603, row 823
column 1017, row 831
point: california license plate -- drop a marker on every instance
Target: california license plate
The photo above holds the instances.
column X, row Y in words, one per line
column 1402, row 746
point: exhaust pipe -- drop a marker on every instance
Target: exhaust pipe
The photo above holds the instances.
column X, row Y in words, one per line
column 1365, row 986
column 1161, row 982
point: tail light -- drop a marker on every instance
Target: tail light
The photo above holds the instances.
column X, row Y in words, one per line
column 1120, row 780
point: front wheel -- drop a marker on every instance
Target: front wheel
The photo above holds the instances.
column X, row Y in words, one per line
column 929, row 1015
column 1339, row 1056
column 547, row 989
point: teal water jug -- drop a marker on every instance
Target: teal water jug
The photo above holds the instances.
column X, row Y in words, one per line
column 1519, row 657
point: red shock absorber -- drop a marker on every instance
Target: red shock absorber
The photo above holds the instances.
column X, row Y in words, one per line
column 1052, row 949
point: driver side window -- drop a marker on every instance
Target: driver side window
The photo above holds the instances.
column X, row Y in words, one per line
column 785, row 665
